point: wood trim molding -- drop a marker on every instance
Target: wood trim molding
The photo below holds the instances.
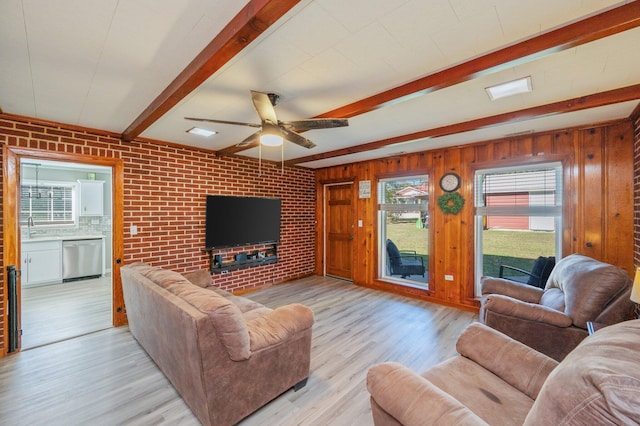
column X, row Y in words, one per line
column 11, row 248
column 635, row 114
column 623, row 94
column 11, row 178
column 65, row 126
column 256, row 17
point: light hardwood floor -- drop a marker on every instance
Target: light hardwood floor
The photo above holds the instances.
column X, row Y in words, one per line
column 52, row 313
column 105, row 378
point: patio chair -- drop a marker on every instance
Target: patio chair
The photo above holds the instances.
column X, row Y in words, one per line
column 538, row 275
column 404, row 262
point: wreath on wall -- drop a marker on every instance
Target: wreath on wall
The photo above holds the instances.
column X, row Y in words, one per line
column 451, row 202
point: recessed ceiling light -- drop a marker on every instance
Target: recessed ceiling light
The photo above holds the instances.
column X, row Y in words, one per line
column 509, row 88
column 201, row 132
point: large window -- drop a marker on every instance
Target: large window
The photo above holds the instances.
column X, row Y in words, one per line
column 518, row 212
column 47, row 204
column 403, row 218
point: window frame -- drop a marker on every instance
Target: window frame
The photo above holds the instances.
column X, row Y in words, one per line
column 556, row 210
column 49, row 185
column 381, row 227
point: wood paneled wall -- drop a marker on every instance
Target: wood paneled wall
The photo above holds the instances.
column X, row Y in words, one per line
column 597, row 215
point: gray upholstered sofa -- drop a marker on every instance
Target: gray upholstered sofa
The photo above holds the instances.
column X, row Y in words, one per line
column 225, row 355
column 497, row 380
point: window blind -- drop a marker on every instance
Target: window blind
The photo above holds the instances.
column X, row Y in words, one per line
column 519, row 191
column 46, row 204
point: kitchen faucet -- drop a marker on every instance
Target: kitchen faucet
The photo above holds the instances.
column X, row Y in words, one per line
column 30, row 225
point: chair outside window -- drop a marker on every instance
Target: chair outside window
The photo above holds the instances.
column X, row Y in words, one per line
column 404, row 262
column 538, row 275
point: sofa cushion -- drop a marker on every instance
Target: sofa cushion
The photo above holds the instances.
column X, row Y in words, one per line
column 227, row 318
column 276, row 326
column 387, row 381
column 482, row 392
column 553, row 298
column 245, row 305
column 201, row 278
column 522, row 367
column 588, row 286
column 597, row 383
column 161, row 277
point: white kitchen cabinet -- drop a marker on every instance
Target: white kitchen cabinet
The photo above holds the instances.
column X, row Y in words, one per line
column 41, row 262
column 91, row 197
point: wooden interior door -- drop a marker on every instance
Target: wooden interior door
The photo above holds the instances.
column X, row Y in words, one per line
column 339, row 229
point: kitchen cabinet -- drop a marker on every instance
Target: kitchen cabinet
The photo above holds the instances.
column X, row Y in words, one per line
column 91, row 197
column 41, row 262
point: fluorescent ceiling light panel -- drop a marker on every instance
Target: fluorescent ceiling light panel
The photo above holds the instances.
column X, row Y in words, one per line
column 201, row 132
column 510, row 88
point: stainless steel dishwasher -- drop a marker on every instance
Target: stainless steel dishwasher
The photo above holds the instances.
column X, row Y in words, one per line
column 81, row 259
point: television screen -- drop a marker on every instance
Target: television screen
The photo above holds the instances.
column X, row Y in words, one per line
column 237, row 221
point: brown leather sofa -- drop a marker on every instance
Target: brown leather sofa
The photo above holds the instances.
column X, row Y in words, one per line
column 554, row 320
column 225, row 355
column 497, row 380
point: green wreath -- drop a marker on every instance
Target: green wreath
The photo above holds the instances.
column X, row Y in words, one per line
column 451, row 202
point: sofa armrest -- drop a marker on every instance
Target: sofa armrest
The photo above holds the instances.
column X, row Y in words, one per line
column 517, row 364
column 520, row 291
column 413, row 400
column 527, row 311
column 278, row 325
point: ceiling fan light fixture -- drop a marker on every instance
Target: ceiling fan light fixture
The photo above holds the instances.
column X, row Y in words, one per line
column 271, row 135
column 271, row 140
column 201, row 132
column 510, row 88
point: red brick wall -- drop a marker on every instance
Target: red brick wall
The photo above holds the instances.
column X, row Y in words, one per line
column 164, row 195
column 636, row 187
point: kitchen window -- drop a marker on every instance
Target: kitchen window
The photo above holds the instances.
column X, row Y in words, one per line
column 47, row 204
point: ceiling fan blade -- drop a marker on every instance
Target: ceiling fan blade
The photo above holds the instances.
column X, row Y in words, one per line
column 296, row 138
column 251, row 140
column 263, row 106
column 209, row 120
column 317, row 123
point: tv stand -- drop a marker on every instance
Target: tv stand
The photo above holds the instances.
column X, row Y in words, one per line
column 225, row 267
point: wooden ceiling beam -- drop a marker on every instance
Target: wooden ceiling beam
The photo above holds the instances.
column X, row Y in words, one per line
column 584, row 31
column 246, row 26
column 610, row 97
column 589, row 29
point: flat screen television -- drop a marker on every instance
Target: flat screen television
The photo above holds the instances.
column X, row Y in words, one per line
column 239, row 221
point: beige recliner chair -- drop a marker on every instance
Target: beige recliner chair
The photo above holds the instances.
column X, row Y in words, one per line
column 554, row 320
column 498, row 381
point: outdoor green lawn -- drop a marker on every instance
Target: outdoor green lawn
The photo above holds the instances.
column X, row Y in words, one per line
column 513, row 248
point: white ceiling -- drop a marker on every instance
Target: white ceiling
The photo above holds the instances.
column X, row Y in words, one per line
column 100, row 63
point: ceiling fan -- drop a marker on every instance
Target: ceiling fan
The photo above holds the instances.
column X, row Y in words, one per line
column 273, row 131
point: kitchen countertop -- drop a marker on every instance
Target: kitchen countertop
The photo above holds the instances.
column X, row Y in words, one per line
column 39, row 239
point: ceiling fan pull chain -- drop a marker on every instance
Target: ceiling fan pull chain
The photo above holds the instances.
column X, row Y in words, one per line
column 282, row 158
column 259, row 159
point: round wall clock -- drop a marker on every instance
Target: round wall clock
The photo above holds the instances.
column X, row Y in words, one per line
column 449, row 182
